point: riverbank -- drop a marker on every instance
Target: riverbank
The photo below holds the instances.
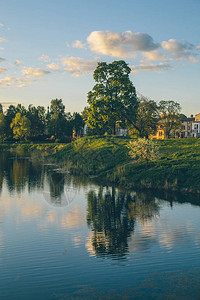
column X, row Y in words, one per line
column 38, row 150
column 106, row 159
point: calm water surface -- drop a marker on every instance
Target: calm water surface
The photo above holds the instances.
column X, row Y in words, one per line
column 63, row 237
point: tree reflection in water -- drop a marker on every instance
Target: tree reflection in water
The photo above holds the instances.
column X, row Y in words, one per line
column 55, row 196
column 112, row 215
column 20, row 172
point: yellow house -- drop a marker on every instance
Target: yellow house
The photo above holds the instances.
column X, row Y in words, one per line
column 160, row 134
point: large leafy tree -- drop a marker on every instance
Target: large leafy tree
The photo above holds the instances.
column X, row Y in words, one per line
column 9, row 116
column 170, row 116
column 21, row 127
column 58, row 123
column 38, row 119
column 113, row 98
column 77, row 123
column 147, row 118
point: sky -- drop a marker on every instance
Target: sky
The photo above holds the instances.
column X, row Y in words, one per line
column 49, row 49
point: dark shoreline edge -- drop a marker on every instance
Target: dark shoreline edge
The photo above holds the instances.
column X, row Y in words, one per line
column 106, row 159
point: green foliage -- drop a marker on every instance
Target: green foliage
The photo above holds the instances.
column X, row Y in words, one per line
column 9, row 116
column 84, row 113
column 143, row 149
column 58, row 121
column 21, row 127
column 170, row 116
column 113, row 98
column 92, row 155
column 1, row 109
column 37, row 118
column 2, row 127
column 178, row 166
column 147, row 119
column 77, row 123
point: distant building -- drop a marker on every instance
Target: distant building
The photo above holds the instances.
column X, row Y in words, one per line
column 197, row 117
column 160, row 133
column 196, row 129
column 189, row 128
column 121, row 132
column 186, row 130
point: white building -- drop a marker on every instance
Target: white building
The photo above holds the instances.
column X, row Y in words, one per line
column 196, row 129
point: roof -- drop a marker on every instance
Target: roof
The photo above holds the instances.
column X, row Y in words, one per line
column 186, row 119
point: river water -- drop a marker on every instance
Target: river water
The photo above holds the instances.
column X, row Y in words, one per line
column 64, row 237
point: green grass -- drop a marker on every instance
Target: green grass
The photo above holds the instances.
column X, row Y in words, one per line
column 38, row 150
column 92, row 155
column 106, row 159
column 178, row 167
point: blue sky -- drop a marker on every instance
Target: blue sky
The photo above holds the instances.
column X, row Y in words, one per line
column 49, row 49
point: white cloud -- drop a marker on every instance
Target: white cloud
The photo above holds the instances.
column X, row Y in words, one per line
column 44, row 57
column 2, row 59
column 17, row 62
column 198, row 47
column 180, row 50
column 34, row 72
column 78, row 66
column 22, row 85
column 2, row 39
column 20, row 82
column 7, row 81
column 78, row 44
column 1, row 25
column 151, row 67
column 2, row 70
column 53, row 67
column 120, row 45
column 193, row 59
column 153, row 56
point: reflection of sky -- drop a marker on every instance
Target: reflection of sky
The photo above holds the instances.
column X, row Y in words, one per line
column 166, row 232
column 46, row 242
column 33, row 207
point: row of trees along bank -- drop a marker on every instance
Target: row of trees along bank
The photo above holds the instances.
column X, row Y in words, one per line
column 113, row 103
column 35, row 123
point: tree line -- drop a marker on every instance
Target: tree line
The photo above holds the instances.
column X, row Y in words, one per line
column 112, row 103
column 38, row 124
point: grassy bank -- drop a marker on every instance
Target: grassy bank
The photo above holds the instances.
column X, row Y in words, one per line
column 38, row 150
column 106, row 159
column 177, row 169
